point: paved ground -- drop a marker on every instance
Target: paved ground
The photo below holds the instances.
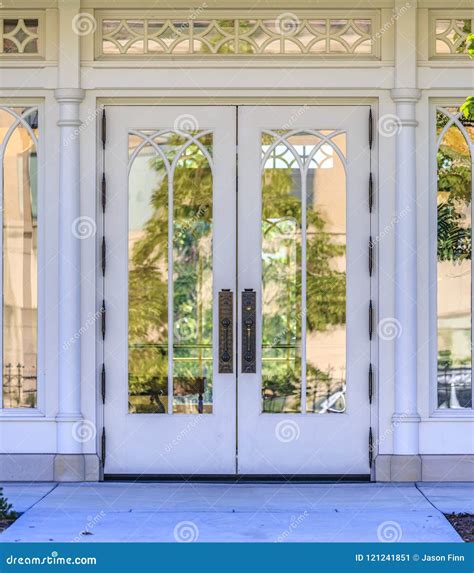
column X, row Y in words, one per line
column 235, row 512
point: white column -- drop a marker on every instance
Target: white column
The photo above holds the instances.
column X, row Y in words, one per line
column 406, row 419
column 69, row 96
column 69, row 271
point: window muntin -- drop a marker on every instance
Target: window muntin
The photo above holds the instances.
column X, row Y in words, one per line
column 19, row 193
column 19, row 36
column 455, row 142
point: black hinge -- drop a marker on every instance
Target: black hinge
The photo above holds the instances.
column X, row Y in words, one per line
column 371, row 319
column 103, row 443
column 102, row 383
column 104, row 192
column 371, row 383
column 104, row 128
column 371, row 255
column 102, row 311
column 371, row 129
column 371, row 447
column 104, row 256
column 371, row 193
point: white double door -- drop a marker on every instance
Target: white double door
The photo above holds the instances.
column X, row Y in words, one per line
column 236, row 290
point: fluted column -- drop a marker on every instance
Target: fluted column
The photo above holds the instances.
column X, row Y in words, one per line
column 69, row 413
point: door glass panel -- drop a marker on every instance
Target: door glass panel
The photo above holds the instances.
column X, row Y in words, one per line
column 147, row 280
column 192, row 280
column 454, row 248
column 303, row 271
column 326, row 280
column 170, row 168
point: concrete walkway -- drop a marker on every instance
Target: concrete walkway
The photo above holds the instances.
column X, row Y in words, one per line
column 235, row 512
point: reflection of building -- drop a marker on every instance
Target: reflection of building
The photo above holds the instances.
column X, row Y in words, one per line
column 20, row 246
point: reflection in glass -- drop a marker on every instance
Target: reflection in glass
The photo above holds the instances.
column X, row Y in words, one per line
column 326, row 282
column 20, row 257
column 165, row 167
column 303, row 272
column 454, row 248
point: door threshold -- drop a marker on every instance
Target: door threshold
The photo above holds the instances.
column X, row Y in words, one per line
column 246, row 478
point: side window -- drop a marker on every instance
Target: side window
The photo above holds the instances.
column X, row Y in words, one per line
column 455, row 141
column 19, row 272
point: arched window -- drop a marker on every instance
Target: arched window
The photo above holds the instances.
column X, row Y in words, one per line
column 19, row 272
column 455, row 146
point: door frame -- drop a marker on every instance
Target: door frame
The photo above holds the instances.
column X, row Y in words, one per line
column 219, row 100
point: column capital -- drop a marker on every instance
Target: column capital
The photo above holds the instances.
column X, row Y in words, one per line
column 405, row 95
column 69, row 95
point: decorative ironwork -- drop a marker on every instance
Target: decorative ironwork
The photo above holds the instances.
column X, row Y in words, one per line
column 286, row 34
column 226, row 329
column 249, row 318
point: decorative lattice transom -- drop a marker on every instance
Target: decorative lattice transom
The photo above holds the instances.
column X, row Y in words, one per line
column 286, row 34
column 19, row 36
column 450, row 36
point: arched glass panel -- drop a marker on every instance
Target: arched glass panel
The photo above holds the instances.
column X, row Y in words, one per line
column 303, row 272
column 454, row 254
column 170, row 272
column 20, row 257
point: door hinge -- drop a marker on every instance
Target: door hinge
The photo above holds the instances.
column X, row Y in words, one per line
column 371, row 255
column 104, row 128
column 371, row 319
column 102, row 383
column 371, row 129
column 103, row 444
column 371, row 192
column 371, row 447
column 371, row 383
column 102, row 311
column 104, row 256
column 104, row 192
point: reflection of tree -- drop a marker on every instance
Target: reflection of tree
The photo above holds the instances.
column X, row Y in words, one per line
column 453, row 246
column 148, row 283
column 325, row 287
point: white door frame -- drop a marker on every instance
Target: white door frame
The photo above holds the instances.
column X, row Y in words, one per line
column 278, row 100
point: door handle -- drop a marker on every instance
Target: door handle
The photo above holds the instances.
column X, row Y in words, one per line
column 226, row 331
column 249, row 320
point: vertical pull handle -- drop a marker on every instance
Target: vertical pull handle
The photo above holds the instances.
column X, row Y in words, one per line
column 226, row 329
column 249, row 304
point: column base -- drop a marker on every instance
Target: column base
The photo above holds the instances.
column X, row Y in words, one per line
column 426, row 467
column 50, row 467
